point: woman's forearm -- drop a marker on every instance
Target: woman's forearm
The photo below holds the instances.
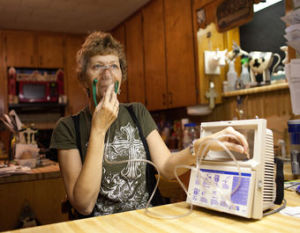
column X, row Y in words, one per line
column 183, row 157
column 87, row 187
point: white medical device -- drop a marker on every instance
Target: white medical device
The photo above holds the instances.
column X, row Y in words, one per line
column 220, row 185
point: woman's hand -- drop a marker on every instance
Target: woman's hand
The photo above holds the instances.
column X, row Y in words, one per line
column 106, row 111
column 232, row 139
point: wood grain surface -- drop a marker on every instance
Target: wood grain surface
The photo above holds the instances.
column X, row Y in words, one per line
column 200, row 220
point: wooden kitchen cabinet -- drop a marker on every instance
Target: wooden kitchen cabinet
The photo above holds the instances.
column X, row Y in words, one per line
column 32, row 50
column 180, row 60
column 134, row 53
column 169, row 54
column 19, row 47
column 154, row 55
column 77, row 97
column 50, row 50
column 119, row 34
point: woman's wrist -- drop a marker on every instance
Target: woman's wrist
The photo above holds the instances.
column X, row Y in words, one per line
column 98, row 132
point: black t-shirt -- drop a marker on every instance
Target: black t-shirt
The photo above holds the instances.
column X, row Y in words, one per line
column 123, row 186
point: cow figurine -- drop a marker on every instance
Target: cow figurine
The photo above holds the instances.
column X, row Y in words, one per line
column 260, row 63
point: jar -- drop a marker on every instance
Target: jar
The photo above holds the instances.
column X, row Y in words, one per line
column 189, row 134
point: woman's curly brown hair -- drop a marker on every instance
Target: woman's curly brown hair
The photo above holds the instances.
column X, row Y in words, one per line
column 99, row 43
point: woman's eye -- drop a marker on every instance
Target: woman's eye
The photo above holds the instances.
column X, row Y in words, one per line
column 97, row 66
column 115, row 66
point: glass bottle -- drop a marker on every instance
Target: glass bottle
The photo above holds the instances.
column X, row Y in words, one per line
column 189, row 134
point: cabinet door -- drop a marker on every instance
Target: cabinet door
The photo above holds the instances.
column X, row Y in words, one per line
column 180, row 54
column 19, row 48
column 135, row 58
column 50, row 51
column 119, row 34
column 154, row 52
column 77, row 97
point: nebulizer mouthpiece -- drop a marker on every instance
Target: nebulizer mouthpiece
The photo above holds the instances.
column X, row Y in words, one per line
column 95, row 81
column 95, row 91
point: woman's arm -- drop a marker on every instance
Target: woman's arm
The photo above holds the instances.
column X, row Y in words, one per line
column 167, row 161
column 83, row 182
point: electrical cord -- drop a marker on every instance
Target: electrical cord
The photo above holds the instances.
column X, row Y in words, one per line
column 276, row 210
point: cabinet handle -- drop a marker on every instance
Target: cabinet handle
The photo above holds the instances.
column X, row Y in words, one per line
column 164, row 99
column 41, row 60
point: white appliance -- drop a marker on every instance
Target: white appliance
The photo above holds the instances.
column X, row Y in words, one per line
column 218, row 184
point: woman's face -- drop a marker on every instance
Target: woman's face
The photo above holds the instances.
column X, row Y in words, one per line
column 106, row 70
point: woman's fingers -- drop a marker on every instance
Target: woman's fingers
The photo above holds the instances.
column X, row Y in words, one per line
column 235, row 137
column 108, row 107
column 234, row 147
column 241, row 139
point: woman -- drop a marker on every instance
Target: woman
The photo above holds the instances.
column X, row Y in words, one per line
column 110, row 131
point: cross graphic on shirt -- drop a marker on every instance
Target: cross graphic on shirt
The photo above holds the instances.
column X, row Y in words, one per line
column 125, row 143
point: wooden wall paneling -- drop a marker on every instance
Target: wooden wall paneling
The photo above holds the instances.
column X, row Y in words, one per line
column 255, row 108
column 20, row 49
column 135, row 58
column 50, row 50
column 155, row 57
column 77, row 97
column 3, row 81
column 119, row 34
column 180, row 53
column 272, row 102
column 260, row 99
column 286, row 98
column 247, row 108
column 264, row 105
column 282, row 105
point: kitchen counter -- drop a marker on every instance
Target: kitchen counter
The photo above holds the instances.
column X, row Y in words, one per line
column 200, row 220
column 40, row 173
column 42, row 189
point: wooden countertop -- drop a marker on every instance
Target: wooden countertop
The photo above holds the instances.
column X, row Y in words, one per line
column 200, row 220
column 40, row 173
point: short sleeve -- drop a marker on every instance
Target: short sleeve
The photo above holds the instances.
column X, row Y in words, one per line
column 63, row 136
column 145, row 119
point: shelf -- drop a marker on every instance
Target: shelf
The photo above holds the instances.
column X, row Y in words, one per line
column 45, row 125
column 255, row 90
column 37, row 105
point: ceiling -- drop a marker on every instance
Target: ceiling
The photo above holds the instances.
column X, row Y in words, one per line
column 71, row 16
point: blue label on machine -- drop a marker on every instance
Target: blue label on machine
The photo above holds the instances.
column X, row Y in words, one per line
column 241, row 194
column 223, row 190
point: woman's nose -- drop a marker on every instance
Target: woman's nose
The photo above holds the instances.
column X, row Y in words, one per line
column 106, row 73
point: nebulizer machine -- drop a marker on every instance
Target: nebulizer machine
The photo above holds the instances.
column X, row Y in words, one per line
column 235, row 183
